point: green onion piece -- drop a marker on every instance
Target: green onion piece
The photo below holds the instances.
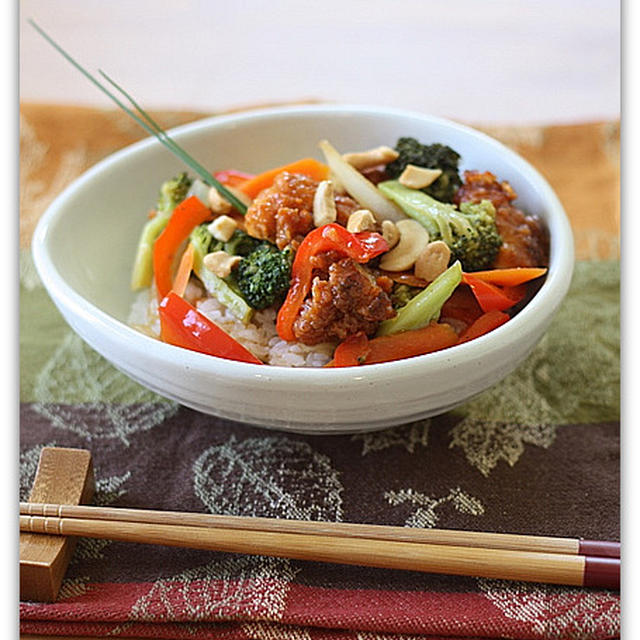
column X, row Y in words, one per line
column 148, row 124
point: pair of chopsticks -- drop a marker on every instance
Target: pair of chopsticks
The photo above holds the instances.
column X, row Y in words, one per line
column 567, row 561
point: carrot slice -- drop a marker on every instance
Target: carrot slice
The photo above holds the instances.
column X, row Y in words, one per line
column 417, row 342
column 351, row 352
column 509, row 277
column 356, row 350
column 308, row 166
column 184, row 270
column 485, row 323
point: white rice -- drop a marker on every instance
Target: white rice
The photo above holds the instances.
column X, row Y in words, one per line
column 259, row 336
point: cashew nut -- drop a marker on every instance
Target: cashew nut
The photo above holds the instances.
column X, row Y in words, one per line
column 221, row 263
column 413, row 239
column 222, row 228
column 415, row 177
column 361, row 220
column 324, row 205
column 390, row 233
column 371, row 158
column 432, row 261
column 217, row 203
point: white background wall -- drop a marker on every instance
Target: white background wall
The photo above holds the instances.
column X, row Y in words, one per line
column 491, row 61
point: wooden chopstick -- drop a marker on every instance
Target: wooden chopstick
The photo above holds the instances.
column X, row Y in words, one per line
column 507, row 541
column 508, row 564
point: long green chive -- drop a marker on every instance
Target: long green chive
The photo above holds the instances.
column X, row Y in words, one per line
column 148, row 124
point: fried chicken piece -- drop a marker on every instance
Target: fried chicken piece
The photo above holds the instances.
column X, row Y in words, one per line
column 283, row 212
column 345, row 299
column 525, row 239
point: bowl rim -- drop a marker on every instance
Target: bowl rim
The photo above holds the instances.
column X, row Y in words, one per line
column 542, row 306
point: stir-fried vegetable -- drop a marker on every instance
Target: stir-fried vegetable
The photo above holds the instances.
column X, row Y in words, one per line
column 185, row 217
column 201, row 240
column 184, row 326
column 307, row 166
column 432, row 156
column 358, row 187
column 470, row 231
column 359, row 350
column 425, row 307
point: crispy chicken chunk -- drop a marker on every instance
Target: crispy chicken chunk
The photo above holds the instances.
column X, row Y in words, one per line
column 283, row 213
column 525, row 240
column 345, row 299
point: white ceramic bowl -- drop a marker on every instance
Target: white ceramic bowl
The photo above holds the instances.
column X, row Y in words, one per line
column 84, row 246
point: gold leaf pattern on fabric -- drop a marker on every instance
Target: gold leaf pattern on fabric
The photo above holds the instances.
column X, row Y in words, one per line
column 408, row 436
column 272, row 477
column 554, row 612
column 79, row 391
column 425, row 514
column 487, row 443
column 222, row 589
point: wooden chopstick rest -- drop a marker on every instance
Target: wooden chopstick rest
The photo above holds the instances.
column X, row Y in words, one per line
column 63, row 475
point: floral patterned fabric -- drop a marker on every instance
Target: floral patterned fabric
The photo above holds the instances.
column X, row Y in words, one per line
column 538, row 453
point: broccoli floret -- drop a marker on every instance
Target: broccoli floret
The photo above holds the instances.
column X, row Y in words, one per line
column 264, row 275
column 402, row 293
column 239, row 244
column 470, row 232
column 202, row 239
column 433, row 156
column 477, row 250
column 173, row 192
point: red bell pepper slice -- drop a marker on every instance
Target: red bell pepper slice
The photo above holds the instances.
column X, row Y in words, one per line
column 361, row 247
column 491, row 297
column 184, row 326
column 232, row 178
column 185, row 217
column 485, row 323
